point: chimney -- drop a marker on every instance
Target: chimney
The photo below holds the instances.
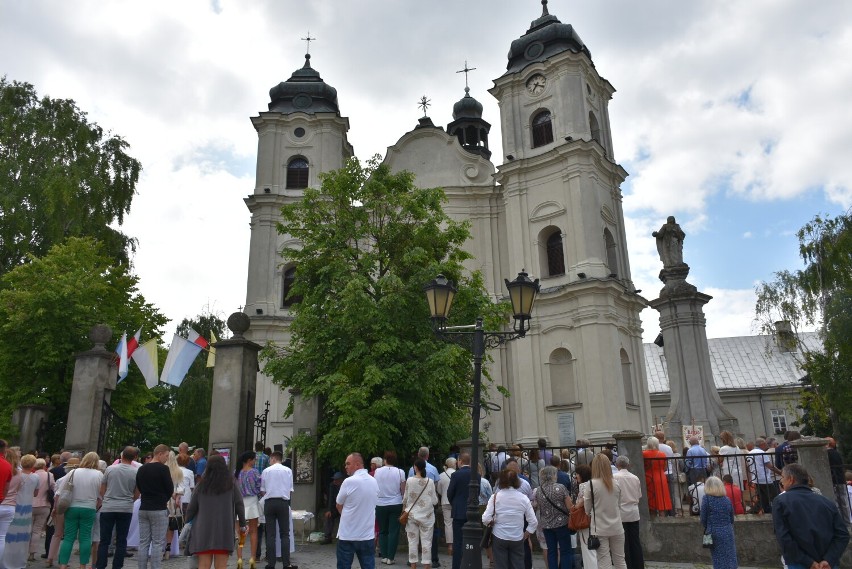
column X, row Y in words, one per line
column 784, row 336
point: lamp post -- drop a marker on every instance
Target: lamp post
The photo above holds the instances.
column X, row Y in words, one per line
column 440, row 294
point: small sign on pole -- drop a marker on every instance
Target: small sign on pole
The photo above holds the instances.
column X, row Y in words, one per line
column 690, row 431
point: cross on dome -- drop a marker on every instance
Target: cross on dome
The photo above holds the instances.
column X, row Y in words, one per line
column 466, row 70
column 308, row 41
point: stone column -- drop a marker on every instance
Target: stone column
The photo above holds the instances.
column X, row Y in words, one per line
column 28, row 419
column 95, row 375
column 630, row 445
column 813, row 456
column 307, row 494
column 234, row 384
column 694, row 397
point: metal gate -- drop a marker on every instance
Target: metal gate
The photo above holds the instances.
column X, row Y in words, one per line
column 260, row 422
column 115, row 433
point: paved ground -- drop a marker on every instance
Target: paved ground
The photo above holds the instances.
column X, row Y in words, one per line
column 313, row 556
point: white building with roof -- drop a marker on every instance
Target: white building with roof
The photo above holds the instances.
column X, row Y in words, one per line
column 758, row 379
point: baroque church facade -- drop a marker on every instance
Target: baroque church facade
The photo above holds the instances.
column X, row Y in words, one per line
column 553, row 207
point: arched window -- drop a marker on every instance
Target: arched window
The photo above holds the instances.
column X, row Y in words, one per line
column 297, row 173
column 287, row 285
column 542, row 129
column 626, row 377
column 611, row 253
column 595, row 128
column 563, row 387
column 555, row 255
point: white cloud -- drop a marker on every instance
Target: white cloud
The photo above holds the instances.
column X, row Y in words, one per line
column 747, row 235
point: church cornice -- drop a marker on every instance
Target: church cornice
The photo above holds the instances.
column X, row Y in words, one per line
column 568, row 158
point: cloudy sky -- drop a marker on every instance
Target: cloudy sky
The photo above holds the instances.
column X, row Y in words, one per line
column 734, row 116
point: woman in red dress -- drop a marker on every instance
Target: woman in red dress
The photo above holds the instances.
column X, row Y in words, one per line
column 659, row 499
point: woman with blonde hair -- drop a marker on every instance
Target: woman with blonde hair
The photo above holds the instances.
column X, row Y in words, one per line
column 80, row 517
column 717, row 517
column 732, row 465
column 173, row 505
column 41, row 505
column 601, row 498
column 19, row 494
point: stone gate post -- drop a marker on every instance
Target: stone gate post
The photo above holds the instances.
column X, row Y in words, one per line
column 95, row 375
column 813, row 456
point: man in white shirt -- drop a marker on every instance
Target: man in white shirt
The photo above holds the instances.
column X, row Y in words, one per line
column 760, row 474
column 276, row 485
column 631, row 492
column 446, row 507
column 671, row 476
column 356, row 503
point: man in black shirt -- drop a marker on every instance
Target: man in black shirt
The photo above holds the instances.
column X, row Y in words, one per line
column 154, row 483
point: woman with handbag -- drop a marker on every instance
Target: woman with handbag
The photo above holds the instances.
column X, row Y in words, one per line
column 507, row 510
column 601, row 498
column 418, row 514
column 248, row 478
column 84, row 487
column 554, row 505
column 173, row 505
column 717, row 518
column 580, row 520
column 391, row 481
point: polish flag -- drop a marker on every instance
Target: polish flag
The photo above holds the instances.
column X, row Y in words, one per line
column 197, row 339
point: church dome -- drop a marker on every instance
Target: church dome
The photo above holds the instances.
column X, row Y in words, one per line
column 467, row 107
column 546, row 37
column 304, row 91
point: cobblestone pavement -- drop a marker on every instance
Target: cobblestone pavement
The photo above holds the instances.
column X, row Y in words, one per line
column 314, row 556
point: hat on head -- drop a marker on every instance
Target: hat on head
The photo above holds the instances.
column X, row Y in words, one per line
column 337, row 476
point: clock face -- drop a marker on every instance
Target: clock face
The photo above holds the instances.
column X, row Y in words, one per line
column 536, row 83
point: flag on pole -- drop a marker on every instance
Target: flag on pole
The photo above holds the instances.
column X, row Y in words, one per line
column 182, row 353
column 121, row 350
column 197, row 339
column 133, row 342
column 145, row 357
column 211, row 356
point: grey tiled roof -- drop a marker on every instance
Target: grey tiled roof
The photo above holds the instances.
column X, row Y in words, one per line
column 742, row 362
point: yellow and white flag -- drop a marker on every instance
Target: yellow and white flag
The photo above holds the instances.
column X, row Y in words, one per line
column 211, row 351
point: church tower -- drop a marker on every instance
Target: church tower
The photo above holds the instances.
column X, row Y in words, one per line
column 301, row 135
column 582, row 369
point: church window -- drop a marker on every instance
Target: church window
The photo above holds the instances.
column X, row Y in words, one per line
column 779, row 421
column 555, row 255
column 626, row 377
column 611, row 253
column 542, row 129
column 289, row 278
column 563, row 387
column 595, row 128
column 297, row 173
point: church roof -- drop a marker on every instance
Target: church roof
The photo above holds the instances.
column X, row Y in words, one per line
column 546, row 37
column 467, row 107
column 304, row 91
column 741, row 362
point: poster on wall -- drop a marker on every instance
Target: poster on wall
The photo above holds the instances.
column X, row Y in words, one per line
column 567, row 434
column 690, row 431
column 225, row 453
column 304, row 471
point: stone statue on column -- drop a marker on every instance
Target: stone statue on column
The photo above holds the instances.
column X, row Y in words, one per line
column 694, row 396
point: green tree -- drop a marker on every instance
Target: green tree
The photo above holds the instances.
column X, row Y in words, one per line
column 361, row 337
column 190, row 419
column 819, row 296
column 60, row 176
column 47, row 308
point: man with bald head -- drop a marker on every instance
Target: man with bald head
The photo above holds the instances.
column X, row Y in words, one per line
column 356, row 502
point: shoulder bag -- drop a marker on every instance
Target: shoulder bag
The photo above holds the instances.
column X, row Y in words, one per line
column 488, row 531
column 579, row 519
column 593, row 542
column 707, row 538
column 403, row 517
column 66, row 496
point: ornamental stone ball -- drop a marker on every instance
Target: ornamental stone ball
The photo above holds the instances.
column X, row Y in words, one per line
column 99, row 335
column 238, row 323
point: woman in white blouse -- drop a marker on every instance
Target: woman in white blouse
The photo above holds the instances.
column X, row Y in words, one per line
column 508, row 509
column 419, row 501
column 391, row 481
column 604, row 510
column 80, row 517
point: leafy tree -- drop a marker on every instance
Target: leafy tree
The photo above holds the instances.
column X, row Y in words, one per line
column 60, row 176
column 190, row 420
column 361, row 337
column 47, row 308
column 819, row 295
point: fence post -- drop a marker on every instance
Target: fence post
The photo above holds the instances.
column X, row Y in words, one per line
column 813, row 456
column 630, row 445
column 95, row 376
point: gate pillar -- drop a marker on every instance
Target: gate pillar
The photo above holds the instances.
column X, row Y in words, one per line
column 95, row 375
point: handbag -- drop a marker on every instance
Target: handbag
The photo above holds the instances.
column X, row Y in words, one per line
column 66, row 496
column 488, row 531
column 403, row 517
column 579, row 519
column 593, row 542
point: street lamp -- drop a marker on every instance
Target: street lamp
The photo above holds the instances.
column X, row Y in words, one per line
column 439, row 294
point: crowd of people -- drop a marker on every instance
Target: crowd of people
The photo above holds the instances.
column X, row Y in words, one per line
column 55, row 502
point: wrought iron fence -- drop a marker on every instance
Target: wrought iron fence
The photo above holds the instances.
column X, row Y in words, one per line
column 115, row 433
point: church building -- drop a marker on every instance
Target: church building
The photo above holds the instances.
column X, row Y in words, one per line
column 552, row 206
